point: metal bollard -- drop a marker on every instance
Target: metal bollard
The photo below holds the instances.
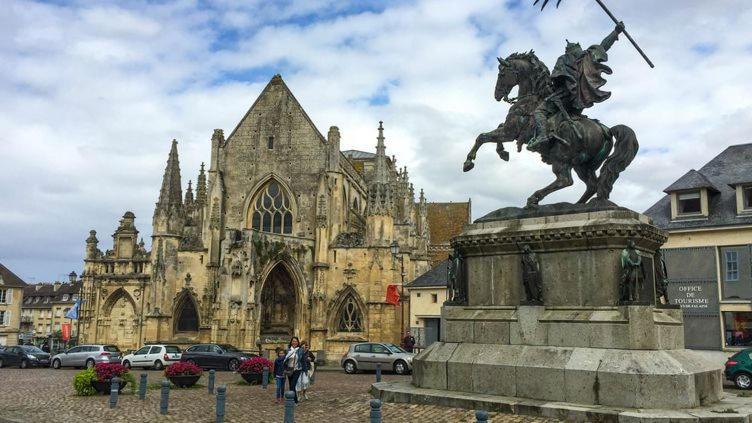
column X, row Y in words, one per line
column 265, row 377
column 165, row 401
column 142, row 386
column 375, row 411
column 221, row 396
column 481, row 416
column 289, row 407
column 210, row 387
column 114, row 388
column 378, row 372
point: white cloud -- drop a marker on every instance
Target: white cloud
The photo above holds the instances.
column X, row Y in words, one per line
column 91, row 95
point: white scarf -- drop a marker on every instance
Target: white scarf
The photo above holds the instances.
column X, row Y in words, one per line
column 292, row 358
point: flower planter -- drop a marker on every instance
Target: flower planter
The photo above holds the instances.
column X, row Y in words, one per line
column 252, row 378
column 105, row 386
column 184, row 381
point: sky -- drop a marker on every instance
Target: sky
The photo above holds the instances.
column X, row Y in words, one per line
column 92, row 93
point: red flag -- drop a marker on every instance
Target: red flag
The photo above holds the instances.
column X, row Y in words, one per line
column 66, row 329
column 392, row 295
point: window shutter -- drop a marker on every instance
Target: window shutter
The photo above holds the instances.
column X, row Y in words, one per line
column 7, row 318
column 9, row 296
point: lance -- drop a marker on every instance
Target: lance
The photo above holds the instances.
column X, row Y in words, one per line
column 616, row 21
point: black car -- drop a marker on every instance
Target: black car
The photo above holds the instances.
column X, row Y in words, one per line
column 24, row 356
column 215, row 356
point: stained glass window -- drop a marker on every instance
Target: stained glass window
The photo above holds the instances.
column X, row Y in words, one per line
column 272, row 211
column 350, row 319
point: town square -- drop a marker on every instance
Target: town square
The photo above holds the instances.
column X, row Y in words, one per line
column 382, row 211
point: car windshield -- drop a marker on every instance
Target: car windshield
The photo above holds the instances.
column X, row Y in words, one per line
column 394, row 349
column 111, row 348
column 229, row 348
column 31, row 349
column 172, row 349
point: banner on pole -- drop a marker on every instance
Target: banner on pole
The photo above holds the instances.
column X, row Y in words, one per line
column 66, row 329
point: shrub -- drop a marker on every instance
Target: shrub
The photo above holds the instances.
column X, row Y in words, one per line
column 255, row 365
column 82, row 382
column 182, row 368
column 105, row 371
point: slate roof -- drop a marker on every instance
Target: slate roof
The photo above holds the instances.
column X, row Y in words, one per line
column 359, row 155
column 733, row 166
column 691, row 180
column 47, row 290
column 438, row 276
column 10, row 279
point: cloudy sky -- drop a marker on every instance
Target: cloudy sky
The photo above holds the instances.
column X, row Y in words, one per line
column 92, row 93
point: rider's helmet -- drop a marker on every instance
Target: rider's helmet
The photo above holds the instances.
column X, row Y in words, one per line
column 573, row 48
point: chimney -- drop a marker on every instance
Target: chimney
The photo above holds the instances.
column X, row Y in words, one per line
column 56, row 286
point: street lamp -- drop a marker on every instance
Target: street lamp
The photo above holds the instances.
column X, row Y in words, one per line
column 395, row 249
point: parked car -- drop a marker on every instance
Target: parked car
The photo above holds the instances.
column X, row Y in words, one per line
column 216, row 356
column 86, row 356
column 24, row 356
column 739, row 369
column 364, row 356
column 156, row 356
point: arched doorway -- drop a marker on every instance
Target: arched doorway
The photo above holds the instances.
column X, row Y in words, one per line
column 186, row 315
column 121, row 312
column 278, row 303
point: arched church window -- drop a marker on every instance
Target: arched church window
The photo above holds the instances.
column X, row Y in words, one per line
column 272, row 211
column 187, row 317
column 350, row 317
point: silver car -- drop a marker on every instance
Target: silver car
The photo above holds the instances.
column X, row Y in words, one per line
column 87, row 356
column 365, row 356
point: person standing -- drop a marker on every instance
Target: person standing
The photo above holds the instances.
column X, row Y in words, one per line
column 408, row 343
column 304, row 381
column 279, row 374
column 293, row 364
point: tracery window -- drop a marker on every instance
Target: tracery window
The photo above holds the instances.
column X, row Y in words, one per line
column 350, row 318
column 272, row 211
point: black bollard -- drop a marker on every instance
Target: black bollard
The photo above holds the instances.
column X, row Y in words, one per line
column 265, row 377
column 378, row 372
column 375, row 411
column 289, row 407
column 481, row 416
column 142, row 386
column 221, row 396
column 165, row 401
column 114, row 388
column 210, row 385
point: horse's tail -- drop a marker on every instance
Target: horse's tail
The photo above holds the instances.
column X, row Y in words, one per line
column 625, row 150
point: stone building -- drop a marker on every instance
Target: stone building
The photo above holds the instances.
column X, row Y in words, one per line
column 708, row 215
column 44, row 308
column 11, row 293
column 282, row 235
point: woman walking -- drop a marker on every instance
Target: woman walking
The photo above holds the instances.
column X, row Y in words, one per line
column 293, row 364
column 304, row 381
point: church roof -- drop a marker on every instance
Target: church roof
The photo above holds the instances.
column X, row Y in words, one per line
column 9, row 279
column 359, row 155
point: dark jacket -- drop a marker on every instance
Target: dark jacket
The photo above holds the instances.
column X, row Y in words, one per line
column 307, row 360
column 279, row 367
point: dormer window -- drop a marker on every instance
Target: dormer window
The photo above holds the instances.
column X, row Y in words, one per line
column 689, row 203
column 747, row 198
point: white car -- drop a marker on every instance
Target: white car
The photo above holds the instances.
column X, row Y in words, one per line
column 153, row 356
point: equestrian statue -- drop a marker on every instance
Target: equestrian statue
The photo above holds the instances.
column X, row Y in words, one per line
column 547, row 116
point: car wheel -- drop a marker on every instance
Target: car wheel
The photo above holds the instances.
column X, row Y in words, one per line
column 158, row 365
column 232, row 365
column 127, row 364
column 400, row 367
column 56, row 364
column 24, row 364
column 350, row 367
column 743, row 380
column 89, row 364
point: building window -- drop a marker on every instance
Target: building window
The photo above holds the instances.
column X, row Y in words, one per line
column 738, row 328
column 747, row 197
column 418, row 295
column 689, row 203
column 4, row 318
column 732, row 266
column 270, row 143
column 3, row 296
column 272, row 211
column 58, row 312
column 350, row 319
column 434, row 298
column 65, row 297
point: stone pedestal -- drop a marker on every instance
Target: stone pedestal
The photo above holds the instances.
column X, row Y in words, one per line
column 581, row 345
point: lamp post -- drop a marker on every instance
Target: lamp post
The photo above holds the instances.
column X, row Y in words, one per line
column 395, row 249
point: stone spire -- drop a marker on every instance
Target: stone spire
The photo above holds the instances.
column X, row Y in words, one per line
column 171, row 194
column 380, row 174
column 201, row 188
column 188, row 203
column 380, row 190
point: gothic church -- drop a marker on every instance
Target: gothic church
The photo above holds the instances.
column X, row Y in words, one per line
column 282, row 235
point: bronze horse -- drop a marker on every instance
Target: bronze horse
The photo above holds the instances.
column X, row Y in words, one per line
column 578, row 143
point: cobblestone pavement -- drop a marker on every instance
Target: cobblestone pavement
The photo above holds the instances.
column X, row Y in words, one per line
column 38, row 395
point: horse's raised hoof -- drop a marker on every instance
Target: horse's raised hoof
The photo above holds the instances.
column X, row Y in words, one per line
column 504, row 155
column 468, row 165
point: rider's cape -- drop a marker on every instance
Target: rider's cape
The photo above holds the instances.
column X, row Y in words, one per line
column 581, row 76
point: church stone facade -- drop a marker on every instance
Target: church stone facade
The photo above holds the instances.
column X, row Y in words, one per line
column 282, row 235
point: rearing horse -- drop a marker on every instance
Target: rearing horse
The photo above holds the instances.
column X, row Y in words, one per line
column 578, row 143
